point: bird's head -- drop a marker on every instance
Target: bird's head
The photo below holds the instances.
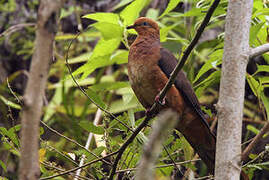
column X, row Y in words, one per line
column 145, row 26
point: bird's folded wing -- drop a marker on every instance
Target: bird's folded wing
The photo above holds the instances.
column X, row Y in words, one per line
column 167, row 64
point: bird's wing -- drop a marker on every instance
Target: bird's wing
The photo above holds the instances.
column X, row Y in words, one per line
column 167, row 64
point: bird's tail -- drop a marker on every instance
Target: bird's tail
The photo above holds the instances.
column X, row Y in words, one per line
column 201, row 139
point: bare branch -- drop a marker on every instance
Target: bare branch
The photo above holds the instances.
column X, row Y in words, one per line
column 256, row 139
column 160, row 130
column 259, row 50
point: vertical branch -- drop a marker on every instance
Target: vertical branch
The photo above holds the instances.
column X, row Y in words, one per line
column 232, row 86
column 32, row 109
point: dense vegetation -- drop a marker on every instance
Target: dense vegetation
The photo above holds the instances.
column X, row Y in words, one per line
column 94, row 37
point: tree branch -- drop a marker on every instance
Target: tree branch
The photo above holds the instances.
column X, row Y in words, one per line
column 254, row 142
column 160, row 130
column 168, row 85
column 259, row 50
column 35, row 89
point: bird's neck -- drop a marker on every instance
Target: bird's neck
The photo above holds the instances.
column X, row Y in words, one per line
column 145, row 40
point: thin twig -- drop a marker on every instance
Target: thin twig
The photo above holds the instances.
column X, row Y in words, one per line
column 15, row 28
column 161, row 166
column 168, row 85
column 255, row 141
column 85, row 165
column 62, row 170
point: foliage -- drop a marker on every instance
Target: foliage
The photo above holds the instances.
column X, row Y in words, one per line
column 98, row 58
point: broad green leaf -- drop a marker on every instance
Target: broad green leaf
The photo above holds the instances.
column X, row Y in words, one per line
column 254, row 30
column 99, row 58
column 262, row 68
column 120, row 57
column 96, row 98
column 171, row 5
column 4, row 167
column 131, row 12
column 105, row 47
column 10, row 103
column 215, row 59
column 81, row 58
column 193, row 12
column 109, row 30
column 104, row 17
column 90, row 127
column 107, row 86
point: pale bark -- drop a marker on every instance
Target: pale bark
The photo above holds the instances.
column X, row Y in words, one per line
column 232, row 87
column 32, row 110
column 166, row 121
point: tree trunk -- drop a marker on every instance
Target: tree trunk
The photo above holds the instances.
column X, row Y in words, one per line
column 232, row 87
column 32, row 110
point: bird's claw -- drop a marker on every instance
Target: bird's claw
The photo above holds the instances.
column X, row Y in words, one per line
column 157, row 99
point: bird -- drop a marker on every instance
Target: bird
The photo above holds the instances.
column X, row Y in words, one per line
column 149, row 68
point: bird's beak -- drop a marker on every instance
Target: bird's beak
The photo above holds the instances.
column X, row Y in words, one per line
column 130, row 27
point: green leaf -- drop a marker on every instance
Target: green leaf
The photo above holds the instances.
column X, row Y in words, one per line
column 103, row 17
column 215, row 59
column 90, row 127
column 99, row 58
column 254, row 85
column 10, row 103
column 262, row 68
column 107, row 86
column 96, row 98
column 213, row 78
column 164, row 32
column 131, row 12
column 254, row 30
column 81, row 58
column 109, row 30
column 171, row 5
column 105, row 47
column 120, row 57
column 4, row 167
column 252, row 129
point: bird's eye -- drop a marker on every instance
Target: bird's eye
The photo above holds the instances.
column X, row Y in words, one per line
column 145, row 24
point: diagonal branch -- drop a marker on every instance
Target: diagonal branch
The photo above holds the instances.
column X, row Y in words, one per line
column 168, row 85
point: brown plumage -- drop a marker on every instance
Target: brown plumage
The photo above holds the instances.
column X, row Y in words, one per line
column 149, row 67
